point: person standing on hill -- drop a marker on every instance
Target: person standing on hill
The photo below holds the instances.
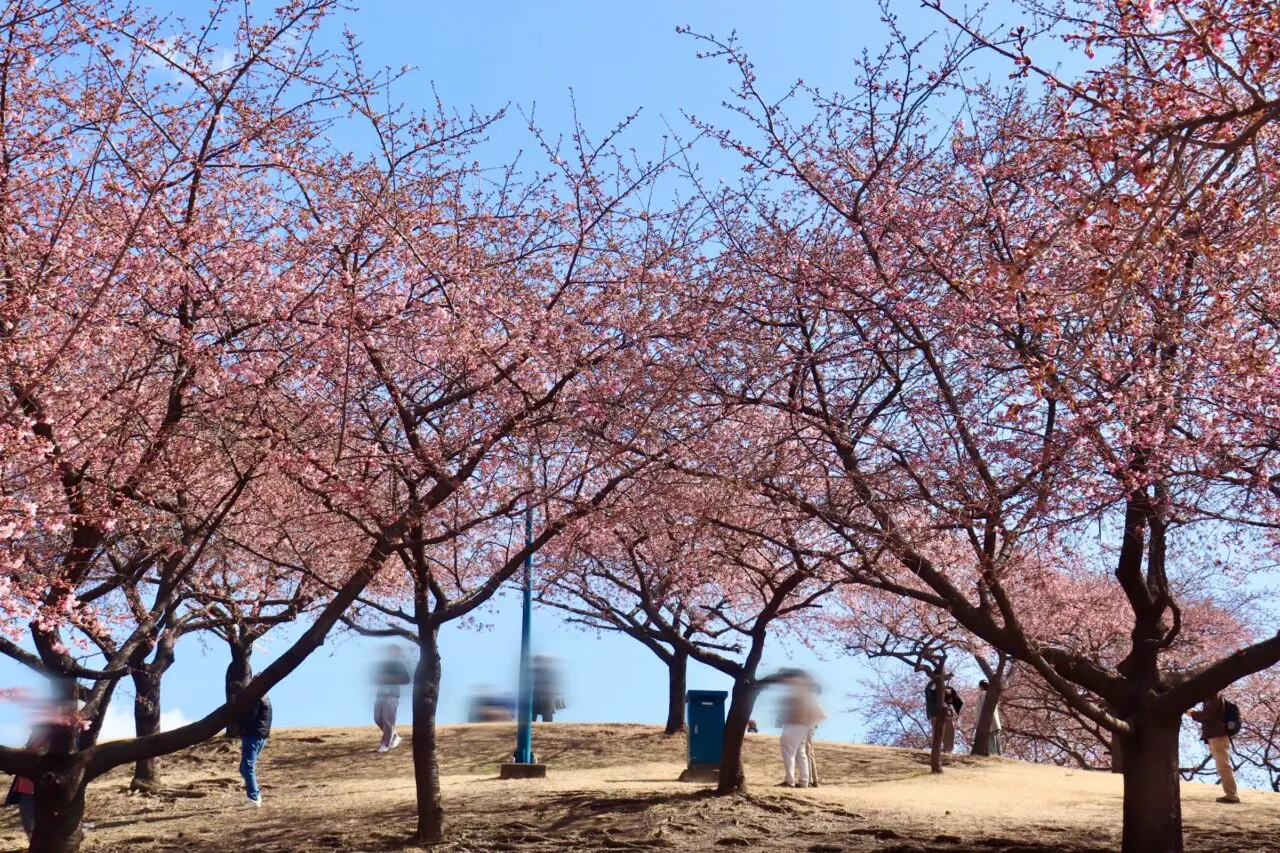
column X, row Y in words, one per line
column 389, row 677
column 255, row 728
column 953, row 704
column 1214, row 731
column 817, row 715
column 948, row 709
column 994, row 744
column 800, row 713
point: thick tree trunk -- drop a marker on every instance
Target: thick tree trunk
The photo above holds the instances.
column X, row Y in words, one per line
column 239, row 673
column 935, row 745
column 146, row 721
column 982, row 732
column 733, row 778
column 677, row 672
column 1117, row 755
column 1152, row 800
column 59, row 807
column 426, row 769
column 939, row 720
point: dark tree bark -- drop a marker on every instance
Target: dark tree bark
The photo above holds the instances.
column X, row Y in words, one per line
column 89, row 737
column 1152, row 802
column 939, row 679
column 677, row 679
column 60, row 806
column 239, row 673
column 60, row 781
column 426, row 768
column 1117, row 755
column 146, row 721
column 147, row 678
column 935, row 746
column 62, row 771
column 431, row 610
column 733, row 777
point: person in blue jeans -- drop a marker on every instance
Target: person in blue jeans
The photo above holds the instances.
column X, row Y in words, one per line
column 255, row 728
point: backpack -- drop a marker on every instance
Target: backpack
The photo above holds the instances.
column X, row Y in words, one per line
column 1231, row 715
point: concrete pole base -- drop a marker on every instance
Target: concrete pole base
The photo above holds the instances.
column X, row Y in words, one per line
column 700, row 774
column 511, row 770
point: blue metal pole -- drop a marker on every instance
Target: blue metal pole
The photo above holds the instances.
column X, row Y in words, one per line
column 524, row 713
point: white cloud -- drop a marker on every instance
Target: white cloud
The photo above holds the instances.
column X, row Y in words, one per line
column 119, row 722
column 165, row 49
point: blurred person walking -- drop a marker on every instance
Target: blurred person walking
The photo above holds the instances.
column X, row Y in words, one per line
column 800, row 714
column 54, row 721
column 819, row 715
column 390, row 675
column 547, row 697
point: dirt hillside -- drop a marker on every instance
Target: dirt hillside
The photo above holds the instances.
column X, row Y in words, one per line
column 612, row 787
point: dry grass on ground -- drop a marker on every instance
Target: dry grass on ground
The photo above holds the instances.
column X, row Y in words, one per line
column 613, row 788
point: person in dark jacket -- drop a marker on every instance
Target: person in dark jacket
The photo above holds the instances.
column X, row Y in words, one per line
column 948, row 709
column 255, row 728
column 1212, row 718
column 390, row 675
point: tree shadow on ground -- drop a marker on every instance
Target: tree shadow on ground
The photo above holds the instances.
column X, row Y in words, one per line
column 333, row 793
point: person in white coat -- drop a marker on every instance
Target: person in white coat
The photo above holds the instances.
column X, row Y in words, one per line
column 818, row 716
column 800, row 713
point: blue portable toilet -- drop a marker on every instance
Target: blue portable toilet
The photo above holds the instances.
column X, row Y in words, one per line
column 705, row 710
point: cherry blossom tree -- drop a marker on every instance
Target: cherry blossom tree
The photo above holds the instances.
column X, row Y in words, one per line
column 889, row 702
column 1257, row 746
column 487, row 351
column 731, row 566
column 266, row 576
column 206, row 306
column 1037, row 724
column 598, row 585
column 214, row 607
column 576, row 597
column 584, row 593
column 1050, row 319
column 149, row 267
column 239, row 605
column 885, row 629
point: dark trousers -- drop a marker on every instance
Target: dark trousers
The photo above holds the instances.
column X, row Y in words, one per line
column 27, row 811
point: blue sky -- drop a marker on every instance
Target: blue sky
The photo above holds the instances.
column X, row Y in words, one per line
column 545, row 57
column 616, row 58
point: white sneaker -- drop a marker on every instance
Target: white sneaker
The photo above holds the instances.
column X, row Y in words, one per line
column 251, row 803
column 396, row 740
column 382, row 748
